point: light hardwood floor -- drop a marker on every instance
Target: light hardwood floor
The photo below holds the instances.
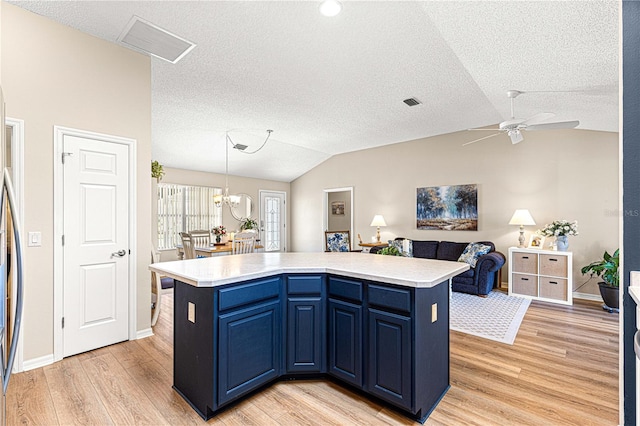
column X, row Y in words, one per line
column 562, row 370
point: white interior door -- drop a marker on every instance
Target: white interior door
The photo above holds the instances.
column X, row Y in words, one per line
column 273, row 221
column 96, row 247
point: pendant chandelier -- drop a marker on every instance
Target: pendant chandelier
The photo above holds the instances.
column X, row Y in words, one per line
column 225, row 198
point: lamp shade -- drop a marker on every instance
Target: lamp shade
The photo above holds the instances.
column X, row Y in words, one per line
column 522, row 217
column 378, row 220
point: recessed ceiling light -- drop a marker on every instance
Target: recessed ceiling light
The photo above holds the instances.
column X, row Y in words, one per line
column 330, row 7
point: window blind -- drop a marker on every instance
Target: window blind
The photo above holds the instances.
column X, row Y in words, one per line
column 183, row 208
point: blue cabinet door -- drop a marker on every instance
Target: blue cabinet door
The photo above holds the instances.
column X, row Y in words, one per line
column 390, row 349
column 305, row 335
column 249, row 349
column 345, row 341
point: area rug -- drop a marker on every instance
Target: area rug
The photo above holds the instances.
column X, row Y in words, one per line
column 497, row 317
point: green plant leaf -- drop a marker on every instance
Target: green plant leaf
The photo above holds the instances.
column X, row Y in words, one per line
column 607, row 268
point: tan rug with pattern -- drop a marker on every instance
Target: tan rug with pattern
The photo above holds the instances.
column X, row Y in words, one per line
column 497, row 317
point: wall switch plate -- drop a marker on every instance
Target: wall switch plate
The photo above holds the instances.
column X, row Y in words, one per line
column 191, row 316
column 35, row 239
column 434, row 312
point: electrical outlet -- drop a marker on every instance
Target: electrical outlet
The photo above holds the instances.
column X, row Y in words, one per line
column 434, row 312
column 191, row 316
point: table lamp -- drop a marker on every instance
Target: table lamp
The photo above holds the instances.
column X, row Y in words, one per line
column 521, row 217
column 378, row 221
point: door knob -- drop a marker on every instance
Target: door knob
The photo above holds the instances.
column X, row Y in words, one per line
column 119, row 253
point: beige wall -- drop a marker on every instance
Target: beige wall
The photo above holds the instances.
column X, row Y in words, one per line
column 237, row 185
column 54, row 75
column 569, row 174
column 339, row 222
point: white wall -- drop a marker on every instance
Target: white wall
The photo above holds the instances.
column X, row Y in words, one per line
column 55, row 75
column 567, row 174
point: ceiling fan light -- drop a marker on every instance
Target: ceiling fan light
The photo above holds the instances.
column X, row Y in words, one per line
column 516, row 136
column 330, row 7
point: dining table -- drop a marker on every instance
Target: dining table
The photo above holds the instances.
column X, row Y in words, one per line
column 214, row 249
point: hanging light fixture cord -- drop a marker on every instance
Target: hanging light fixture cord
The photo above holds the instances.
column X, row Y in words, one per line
column 252, row 152
column 225, row 198
column 226, row 168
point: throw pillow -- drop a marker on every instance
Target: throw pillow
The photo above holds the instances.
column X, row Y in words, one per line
column 472, row 252
column 401, row 246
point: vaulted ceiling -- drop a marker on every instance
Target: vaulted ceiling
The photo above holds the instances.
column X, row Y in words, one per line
column 332, row 85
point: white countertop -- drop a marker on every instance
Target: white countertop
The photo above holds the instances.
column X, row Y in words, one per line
column 634, row 291
column 634, row 287
column 215, row 271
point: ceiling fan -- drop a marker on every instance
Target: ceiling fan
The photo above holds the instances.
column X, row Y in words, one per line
column 513, row 127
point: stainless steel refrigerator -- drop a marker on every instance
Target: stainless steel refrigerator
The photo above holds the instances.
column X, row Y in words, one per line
column 10, row 261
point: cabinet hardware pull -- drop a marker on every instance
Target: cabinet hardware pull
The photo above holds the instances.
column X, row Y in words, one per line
column 553, row 282
column 525, row 279
column 525, row 257
column 553, row 260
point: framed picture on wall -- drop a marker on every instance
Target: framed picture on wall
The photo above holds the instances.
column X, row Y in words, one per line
column 536, row 241
column 447, row 208
column 337, row 208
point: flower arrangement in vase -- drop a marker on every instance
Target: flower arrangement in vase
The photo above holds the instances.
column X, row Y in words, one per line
column 560, row 229
column 219, row 231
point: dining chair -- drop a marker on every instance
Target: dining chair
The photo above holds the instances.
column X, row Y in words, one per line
column 244, row 242
column 158, row 283
column 201, row 237
column 156, row 290
column 187, row 245
column 337, row 241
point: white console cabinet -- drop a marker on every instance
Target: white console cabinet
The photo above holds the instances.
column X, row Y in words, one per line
column 541, row 274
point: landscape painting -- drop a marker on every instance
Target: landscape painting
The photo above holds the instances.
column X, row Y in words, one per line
column 450, row 208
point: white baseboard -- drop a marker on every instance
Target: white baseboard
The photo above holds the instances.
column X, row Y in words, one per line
column 141, row 334
column 587, row 296
column 32, row 364
column 48, row 359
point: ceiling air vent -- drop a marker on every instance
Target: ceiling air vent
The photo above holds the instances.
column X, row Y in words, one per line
column 412, row 102
column 145, row 37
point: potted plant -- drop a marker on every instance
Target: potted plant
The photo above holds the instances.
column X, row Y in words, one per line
column 157, row 171
column 390, row 251
column 607, row 269
column 248, row 224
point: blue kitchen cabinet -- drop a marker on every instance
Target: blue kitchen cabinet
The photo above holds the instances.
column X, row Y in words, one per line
column 305, row 323
column 305, row 331
column 390, row 357
column 249, row 351
column 391, row 350
column 345, row 330
column 387, row 340
column 249, row 342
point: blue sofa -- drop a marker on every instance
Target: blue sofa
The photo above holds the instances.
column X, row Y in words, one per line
column 479, row 280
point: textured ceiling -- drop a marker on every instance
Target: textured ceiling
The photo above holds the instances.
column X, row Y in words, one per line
column 333, row 85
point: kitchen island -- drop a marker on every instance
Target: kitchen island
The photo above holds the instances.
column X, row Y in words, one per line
column 379, row 324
